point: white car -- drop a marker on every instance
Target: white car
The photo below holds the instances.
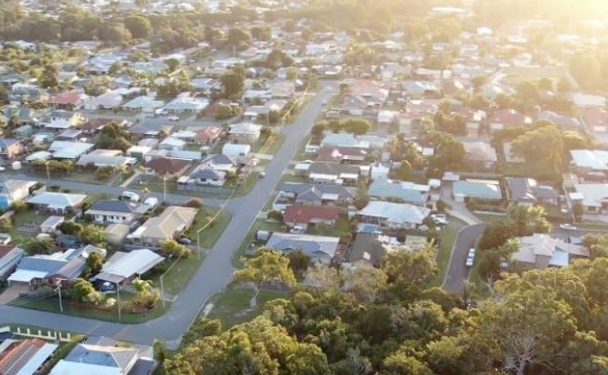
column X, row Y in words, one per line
column 173, row 118
column 441, row 219
column 567, row 226
column 470, row 261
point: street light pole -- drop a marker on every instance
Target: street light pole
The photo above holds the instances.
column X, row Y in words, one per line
column 48, row 173
column 60, row 301
column 162, row 290
column 118, row 300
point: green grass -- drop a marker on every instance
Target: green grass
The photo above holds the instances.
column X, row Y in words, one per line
column 488, row 218
column 343, row 225
column 258, row 224
column 128, row 317
column 592, row 226
column 26, row 217
column 154, row 183
column 232, row 306
column 268, row 145
column 176, row 279
column 268, row 205
column 291, row 178
column 209, row 235
column 447, row 236
column 301, row 153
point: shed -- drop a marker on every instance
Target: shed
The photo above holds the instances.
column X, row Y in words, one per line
column 50, row 225
column 116, row 233
column 235, row 150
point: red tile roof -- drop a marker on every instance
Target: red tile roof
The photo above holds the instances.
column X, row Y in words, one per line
column 208, row 133
column 508, row 117
column 5, row 249
column 596, row 117
column 14, row 358
column 66, row 98
column 162, row 165
column 304, row 214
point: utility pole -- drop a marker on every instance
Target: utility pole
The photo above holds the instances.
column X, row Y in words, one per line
column 198, row 243
column 118, row 300
column 60, row 301
column 162, row 290
column 48, row 173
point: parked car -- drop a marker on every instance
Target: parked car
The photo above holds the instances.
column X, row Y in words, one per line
column 262, row 174
column 173, row 118
column 439, row 219
column 184, row 241
column 567, row 226
column 470, row 258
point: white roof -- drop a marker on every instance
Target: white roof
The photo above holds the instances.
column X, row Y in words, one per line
column 44, row 155
column 591, row 159
column 245, row 128
column 64, row 367
column 69, row 150
column 593, row 194
column 235, row 147
column 124, row 265
column 397, row 213
column 25, row 276
column 57, row 200
column 32, row 366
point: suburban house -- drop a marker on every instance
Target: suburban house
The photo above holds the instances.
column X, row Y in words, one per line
column 593, row 197
column 220, row 163
column 364, row 94
column 14, row 190
column 71, row 99
column 112, row 211
column 343, row 140
column 10, row 148
column 560, row 120
column 171, row 223
column 596, row 119
column 393, row 215
column 117, row 233
column 541, row 251
column 312, row 195
column 477, row 190
column 61, row 119
column 59, row 203
column 98, row 355
column 122, row 268
column 172, row 143
column 503, row 118
column 244, row 133
column 208, row 135
column 10, row 255
column 480, row 155
column 301, row 216
column 399, row 191
column 319, row 248
column 590, row 162
column 69, row 150
column 341, row 155
column 25, row 357
column 184, row 103
column 527, row 191
column 369, row 249
column 337, row 174
column 105, row 158
column 165, row 166
column 51, row 269
column 205, row 174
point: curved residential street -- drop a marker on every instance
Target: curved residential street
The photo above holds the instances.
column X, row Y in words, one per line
column 457, row 271
column 215, row 272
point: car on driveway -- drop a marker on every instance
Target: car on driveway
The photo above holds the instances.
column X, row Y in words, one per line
column 567, row 226
column 173, row 118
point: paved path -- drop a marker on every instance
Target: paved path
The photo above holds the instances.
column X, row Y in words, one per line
column 458, row 272
column 215, row 272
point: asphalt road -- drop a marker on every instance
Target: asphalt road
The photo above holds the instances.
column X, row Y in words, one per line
column 458, row 272
column 216, row 271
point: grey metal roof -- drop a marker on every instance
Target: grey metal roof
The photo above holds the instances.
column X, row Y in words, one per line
column 367, row 243
column 102, row 356
column 299, row 189
column 111, row 205
column 206, row 174
column 315, row 246
column 330, row 168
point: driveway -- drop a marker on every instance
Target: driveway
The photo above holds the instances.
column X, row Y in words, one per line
column 458, row 272
column 12, row 292
column 215, row 272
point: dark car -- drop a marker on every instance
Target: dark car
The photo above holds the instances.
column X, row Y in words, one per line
column 184, row 241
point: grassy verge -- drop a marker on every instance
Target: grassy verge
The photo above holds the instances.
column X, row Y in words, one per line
column 154, row 183
column 176, row 279
column 301, row 153
column 292, row 178
column 232, row 306
column 128, row 317
column 447, row 236
column 268, row 145
column 488, row 217
column 209, row 235
column 259, row 224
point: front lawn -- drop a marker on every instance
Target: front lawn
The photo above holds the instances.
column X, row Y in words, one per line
column 258, row 224
column 111, row 315
column 268, row 145
column 209, row 235
column 232, row 306
column 180, row 273
column 27, row 219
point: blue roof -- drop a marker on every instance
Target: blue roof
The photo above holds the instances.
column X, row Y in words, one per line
column 478, row 189
column 397, row 190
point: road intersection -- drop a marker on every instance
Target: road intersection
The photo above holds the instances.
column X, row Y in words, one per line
column 216, row 271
